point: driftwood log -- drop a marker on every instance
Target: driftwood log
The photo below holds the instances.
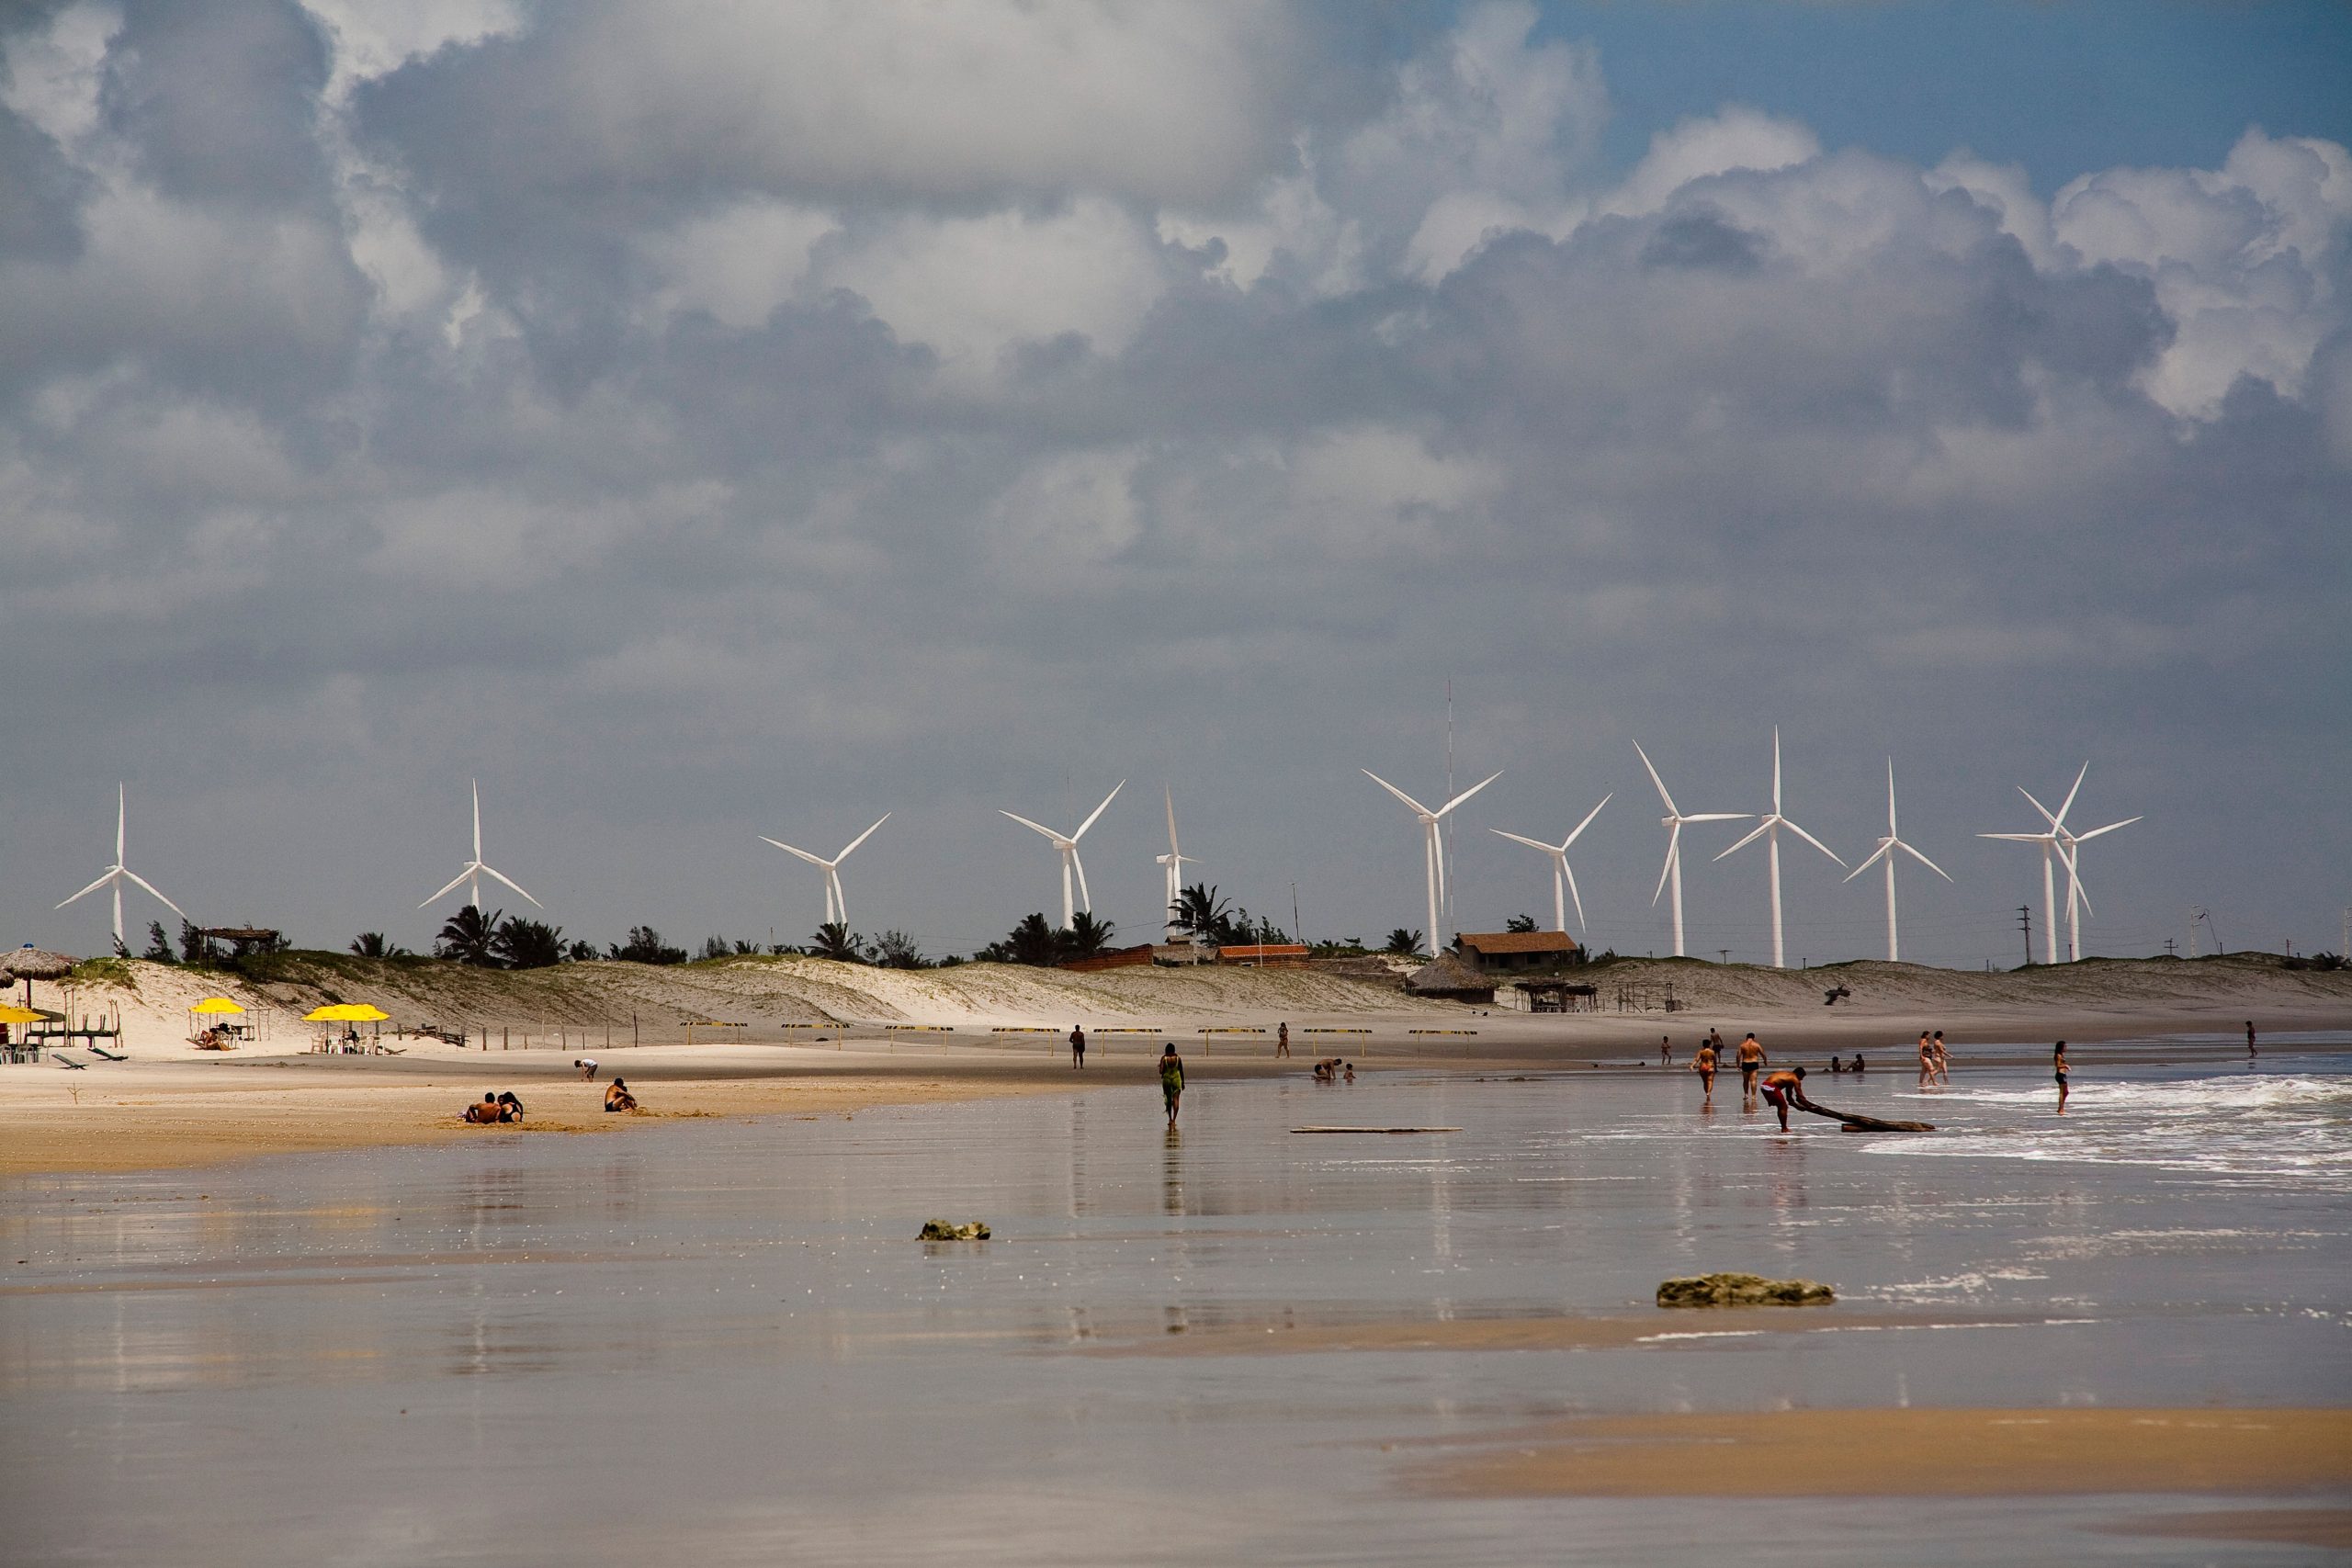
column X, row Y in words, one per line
column 1854, row 1124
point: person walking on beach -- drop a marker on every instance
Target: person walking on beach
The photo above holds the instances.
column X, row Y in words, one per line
column 1172, row 1079
column 1943, row 1060
column 1665, row 1051
column 1282, row 1040
column 2250, row 1052
column 1703, row 1063
column 1927, row 1060
column 1751, row 1061
column 1783, row 1087
column 2058, row 1060
column 1076, row 1045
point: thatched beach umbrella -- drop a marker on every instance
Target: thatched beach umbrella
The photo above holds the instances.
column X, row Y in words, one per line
column 29, row 963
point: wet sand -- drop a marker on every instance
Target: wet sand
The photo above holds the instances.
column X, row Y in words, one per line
column 2328, row 1528
column 1916, row 1453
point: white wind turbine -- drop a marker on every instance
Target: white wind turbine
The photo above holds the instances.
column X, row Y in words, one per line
column 1563, row 879
column 1433, row 846
column 118, row 874
column 2051, row 853
column 836, row 901
column 1174, row 860
column 2070, row 850
column 1769, row 829
column 1673, row 822
column 1068, row 846
column 476, row 868
column 1885, row 851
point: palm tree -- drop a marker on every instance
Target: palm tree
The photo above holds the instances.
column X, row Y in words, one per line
column 470, row 939
column 1086, row 936
column 1200, row 911
column 834, row 941
column 375, row 945
column 1032, row 941
column 529, row 944
column 1405, row 943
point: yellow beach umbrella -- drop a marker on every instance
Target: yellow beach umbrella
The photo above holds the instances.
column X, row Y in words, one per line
column 345, row 1012
column 215, row 1004
column 10, row 1014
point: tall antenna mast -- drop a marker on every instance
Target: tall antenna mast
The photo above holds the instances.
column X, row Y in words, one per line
column 1449, row 794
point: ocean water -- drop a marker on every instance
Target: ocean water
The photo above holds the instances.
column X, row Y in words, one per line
column 721, row 1343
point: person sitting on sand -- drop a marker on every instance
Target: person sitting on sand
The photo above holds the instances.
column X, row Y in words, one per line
column 1751, row 1061
column 1836, row 1064
column 1172, row 1080
column 1351, row 1072
column 2058, row 1061
column 587, row 1068
column 1703, row 1063
column 510, row 1108
column 1782, row 1088
column 485, row 1110
column 1857, row 1060
column 618, row 1097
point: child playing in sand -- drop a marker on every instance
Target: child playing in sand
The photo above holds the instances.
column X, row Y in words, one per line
column 587, row 1066
column 618, row 1097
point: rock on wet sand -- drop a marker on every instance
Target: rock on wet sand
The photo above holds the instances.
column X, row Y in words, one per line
column 1742, row 1290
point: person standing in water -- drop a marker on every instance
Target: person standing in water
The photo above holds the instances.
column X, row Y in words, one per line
column 1926, row 1061
column 1783, row 1087
column 1172, row 1080
column 1665, row 1051
column 2250, row 1052
column 1943, row 1060
column 1703, row 1063
column 2058, row 1061
column 1751, row 1061
column 1282, row 1040
column 1076, row 1045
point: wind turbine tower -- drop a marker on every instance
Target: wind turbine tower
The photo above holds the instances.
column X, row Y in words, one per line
column 1886, row 852
column 2069, row 845
column 118, row 874
column 476, row 869
column 1563, row 881
column 1433, row 842
column 1066, row 846
column 836, row 901
column 1769, row 829
column 1673, row 822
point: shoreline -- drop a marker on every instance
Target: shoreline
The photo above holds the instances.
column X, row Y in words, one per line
column 181, row 1114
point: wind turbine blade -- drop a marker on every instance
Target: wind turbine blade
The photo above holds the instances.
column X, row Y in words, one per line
column 455, row 882
column 1174, row 853
column 1809, row 838
column 1776, row 770
column 1588, row 820
column 1107, row 799
column 1418, row 807
column 1469, row 793
column 143, row 882
column 1531, row 843
column 788, row 849
column 1657, row 781
column 2047, row 816
column 1719, row 817
column 1886, row 847
column 2070, row 796
column 840, row 897
column 509, row 882
column 1085, row 900
column 1759, row 831
column 1923, row 860
column 1032, row 827
column 2110, row 827
column 2020, row 838
column 477, row 819
column 122, row 813
column 94, row 887
column 1892, row 832
column 860, row 838
column 1573, row 892
column 1673, row 843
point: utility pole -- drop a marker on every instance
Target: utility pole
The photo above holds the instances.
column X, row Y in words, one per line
column 1725, row 953
column 2168, row 950
column 2193, row 913
column 2025, row 924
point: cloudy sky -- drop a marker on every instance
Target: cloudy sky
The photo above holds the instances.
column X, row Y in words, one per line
column 699, row 423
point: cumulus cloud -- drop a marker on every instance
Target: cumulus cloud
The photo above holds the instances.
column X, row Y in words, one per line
column 689, row 415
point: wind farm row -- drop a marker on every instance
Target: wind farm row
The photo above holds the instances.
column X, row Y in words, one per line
column 2059, row 845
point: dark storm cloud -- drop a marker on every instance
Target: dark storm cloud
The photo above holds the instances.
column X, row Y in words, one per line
column 609, row 408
